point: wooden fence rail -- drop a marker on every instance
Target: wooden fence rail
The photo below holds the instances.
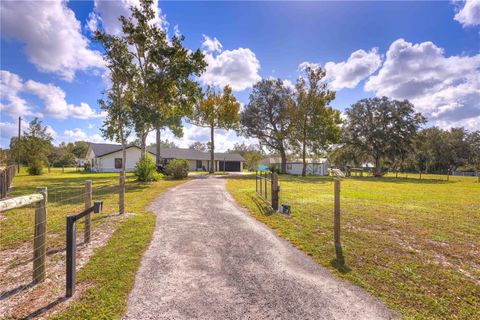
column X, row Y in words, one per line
column 40, row 238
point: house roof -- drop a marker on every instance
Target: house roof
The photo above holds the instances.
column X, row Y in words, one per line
column 101, row 149
column 278, row 160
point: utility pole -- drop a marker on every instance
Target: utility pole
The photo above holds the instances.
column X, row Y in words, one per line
column 18, row 143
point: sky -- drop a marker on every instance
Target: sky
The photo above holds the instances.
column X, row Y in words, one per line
column 426, row 52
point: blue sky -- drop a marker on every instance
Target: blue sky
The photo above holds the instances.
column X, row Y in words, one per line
column 427, row 52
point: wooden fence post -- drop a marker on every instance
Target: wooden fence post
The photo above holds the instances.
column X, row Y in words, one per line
column 336, row 223
column 88, row 204
column 40, row 237
column 121, row 198
column 256, row 181
column 275, row 191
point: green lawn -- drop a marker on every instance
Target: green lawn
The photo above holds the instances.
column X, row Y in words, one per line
column 111, row 270
column 414, row 244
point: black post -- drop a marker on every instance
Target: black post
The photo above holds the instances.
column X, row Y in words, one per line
column 256, row 181
column 265, row 185
column 71, row 252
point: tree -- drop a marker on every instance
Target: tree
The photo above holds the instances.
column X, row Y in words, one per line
column 35, row 146
column 252, row 153
column 199, row 146
column 80, row 149
column 383, row 129
column 315, row 125
column 165, row 144
column 345, row 156
column 216, row 110
column 162, row 87
column 62, row 155
column 118, row 102
column 474, row 142
column 267, row 116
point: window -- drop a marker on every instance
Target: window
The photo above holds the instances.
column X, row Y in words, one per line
column 118, row 163
column 199, row 164
column 289, row 166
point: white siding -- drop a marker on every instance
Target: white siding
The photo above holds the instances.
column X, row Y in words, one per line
column 316, row 169
column 106, row 163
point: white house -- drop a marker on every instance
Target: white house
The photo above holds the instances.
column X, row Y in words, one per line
column 317, row 167
column 108, row 158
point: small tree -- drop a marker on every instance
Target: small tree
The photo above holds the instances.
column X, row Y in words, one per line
column 177, row 169
column 145, row 170
column 217, row 111
column 316, row 125
column 35, row 145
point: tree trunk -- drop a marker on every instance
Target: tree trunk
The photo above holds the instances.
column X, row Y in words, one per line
column 304, row 156
column 124, row 155
column 157, row 146
column 283, row 156
column 143, row 143
column 212, row 149
column 377, row 166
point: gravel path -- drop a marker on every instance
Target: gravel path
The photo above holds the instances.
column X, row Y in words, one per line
column 210, row 260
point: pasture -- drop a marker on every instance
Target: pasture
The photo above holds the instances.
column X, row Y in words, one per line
column 414, row 244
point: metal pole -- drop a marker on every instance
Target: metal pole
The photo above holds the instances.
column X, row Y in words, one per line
column 71, row 252
column 274, row 191
column 256, row 181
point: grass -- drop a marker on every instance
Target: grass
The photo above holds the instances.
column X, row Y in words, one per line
column 111, row 271
column 415, row 244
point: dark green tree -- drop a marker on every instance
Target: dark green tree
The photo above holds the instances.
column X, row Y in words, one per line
column 267, row 117
column 383, row 129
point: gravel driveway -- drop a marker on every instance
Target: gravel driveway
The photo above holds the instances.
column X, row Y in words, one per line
column 210, row 260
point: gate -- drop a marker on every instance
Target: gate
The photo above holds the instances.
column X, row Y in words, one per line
column 266, row 186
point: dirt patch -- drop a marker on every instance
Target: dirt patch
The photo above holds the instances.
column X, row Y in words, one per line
column 19, row 298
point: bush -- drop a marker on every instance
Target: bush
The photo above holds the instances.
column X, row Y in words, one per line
column 273, row 168
column 177, row 169
column 35, row 168
column 145, row 170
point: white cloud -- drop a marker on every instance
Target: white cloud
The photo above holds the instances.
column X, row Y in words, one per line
column 211, row 45
column 237, row 68
column 78, row 134
column 53, row 98
column 51, row 34
column 445, row 89
column 469, row 15
column 107, row 13
column 302, row 66
column 347, row 74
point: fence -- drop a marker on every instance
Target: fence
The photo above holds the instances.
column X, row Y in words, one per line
column 266, row 186
column 422, row 234
column 6, row 178
column 53, row 235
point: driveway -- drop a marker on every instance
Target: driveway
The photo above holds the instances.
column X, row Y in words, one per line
column 210, row 260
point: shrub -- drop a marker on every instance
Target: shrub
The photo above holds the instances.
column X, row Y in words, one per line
column 35, row 168
column 177, row 169
column 273, row 168
column 145, row 170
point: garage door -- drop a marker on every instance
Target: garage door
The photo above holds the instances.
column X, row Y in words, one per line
column 231, row 166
